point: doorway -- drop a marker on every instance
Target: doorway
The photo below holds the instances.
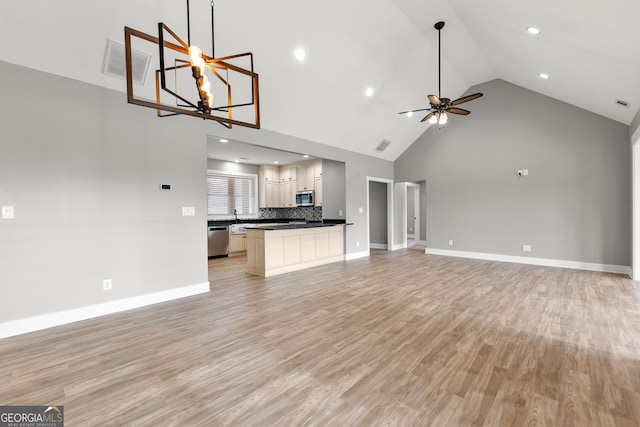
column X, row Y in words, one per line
column 412, row 230
column 380, row 213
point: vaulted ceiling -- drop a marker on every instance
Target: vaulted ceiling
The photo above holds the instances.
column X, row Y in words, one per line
column 590, row 49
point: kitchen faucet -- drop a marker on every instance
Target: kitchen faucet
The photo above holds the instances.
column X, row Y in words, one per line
column 235, row 212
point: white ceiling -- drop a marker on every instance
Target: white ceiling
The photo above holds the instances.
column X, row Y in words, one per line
column 590, row 49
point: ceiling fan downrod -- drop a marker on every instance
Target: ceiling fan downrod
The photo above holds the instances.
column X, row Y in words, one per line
column 439, row 26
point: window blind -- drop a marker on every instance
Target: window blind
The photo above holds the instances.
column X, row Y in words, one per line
column 227, row 191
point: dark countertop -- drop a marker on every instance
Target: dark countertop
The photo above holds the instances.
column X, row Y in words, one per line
column 283, row 221
column 290, row 226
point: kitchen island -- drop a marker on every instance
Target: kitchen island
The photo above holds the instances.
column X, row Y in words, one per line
column 277, row 249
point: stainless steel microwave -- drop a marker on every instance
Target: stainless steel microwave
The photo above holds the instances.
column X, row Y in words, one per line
column 304, row 198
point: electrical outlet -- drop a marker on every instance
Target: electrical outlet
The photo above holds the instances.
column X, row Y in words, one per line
column 107, row 284
column 188, row 211
column 450, row 242
column 340, row 212
column 361, row 210
column 7, row 212
column 526, row 248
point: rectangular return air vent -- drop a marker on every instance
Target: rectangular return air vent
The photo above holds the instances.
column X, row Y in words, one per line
column 114, row 63
column 383, row 145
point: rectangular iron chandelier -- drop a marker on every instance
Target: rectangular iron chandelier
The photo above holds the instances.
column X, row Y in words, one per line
column 210, row 78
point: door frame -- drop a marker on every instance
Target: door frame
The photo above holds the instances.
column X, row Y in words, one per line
column 635, row 205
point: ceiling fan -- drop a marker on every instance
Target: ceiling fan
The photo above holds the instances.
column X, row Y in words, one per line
column 439, row 106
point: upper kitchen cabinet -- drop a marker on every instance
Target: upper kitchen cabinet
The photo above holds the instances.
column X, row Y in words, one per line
column 268, row 186
column 317, row 166
column 306, row 176
column 288, row 173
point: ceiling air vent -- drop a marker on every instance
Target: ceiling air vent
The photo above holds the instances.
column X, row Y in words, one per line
column 624, row 104
column 383, row 145
column 114, row 64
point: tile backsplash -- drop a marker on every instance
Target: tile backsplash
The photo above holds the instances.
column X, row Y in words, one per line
column 306, row 213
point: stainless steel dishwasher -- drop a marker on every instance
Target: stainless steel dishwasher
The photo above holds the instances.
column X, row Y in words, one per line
column 218, row 240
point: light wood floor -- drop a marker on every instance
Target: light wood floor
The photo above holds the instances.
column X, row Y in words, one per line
column 400, row 339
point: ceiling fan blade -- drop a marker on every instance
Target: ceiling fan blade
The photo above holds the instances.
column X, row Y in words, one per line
column 466, row 99
column 415, row 111
column 428, row 116
column 434, row 100
column 460, row 111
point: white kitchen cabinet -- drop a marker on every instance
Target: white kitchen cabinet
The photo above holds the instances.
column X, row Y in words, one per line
column 273, row 252
column 288, row 194
column 317, row 201
column 272, row 194
column 306, row 176
column 237, row 244
column 317, row 166
column 268, row 186
column 288, row 173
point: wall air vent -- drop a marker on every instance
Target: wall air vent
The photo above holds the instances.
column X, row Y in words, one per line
column 114, row 64
column 624, row 104
column 383, row 145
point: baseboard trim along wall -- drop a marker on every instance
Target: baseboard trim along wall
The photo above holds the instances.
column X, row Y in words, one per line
column 378, row 245
column 36, row 323
column 605, row 268
column 356, row 255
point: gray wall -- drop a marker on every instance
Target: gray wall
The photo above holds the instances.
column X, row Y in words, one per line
column 223, row 165
column 83, row 170
column 377, row 213
column 635, row 124
column 333, row 190
column 575, row 203
column 83, row 173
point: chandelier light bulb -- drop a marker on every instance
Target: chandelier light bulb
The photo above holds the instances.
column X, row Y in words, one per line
column 443, row 119
column 433, row 119
column 195, row 54
column 410, row 114
column 210, row 99
column 206, row 85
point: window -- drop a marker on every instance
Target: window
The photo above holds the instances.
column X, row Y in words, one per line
column 228, row 191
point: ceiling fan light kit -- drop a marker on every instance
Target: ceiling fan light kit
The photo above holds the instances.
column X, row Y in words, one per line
column 439, row 106
column 180, row 62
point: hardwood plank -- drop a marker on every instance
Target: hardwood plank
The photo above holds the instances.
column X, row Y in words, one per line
column 399, row 338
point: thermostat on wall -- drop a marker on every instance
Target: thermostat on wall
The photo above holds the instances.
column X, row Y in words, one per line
column 165, row 187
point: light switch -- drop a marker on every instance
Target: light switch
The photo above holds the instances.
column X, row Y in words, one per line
column 340, row 212
column 7, row 212
column 188, row 211
column 360, row 210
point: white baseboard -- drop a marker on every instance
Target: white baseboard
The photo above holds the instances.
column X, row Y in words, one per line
column 356, row 255
column 411, row 236
column 378, row 245
column 421, row 242
column 399, row 246
column 605, row 268
column 36, row 323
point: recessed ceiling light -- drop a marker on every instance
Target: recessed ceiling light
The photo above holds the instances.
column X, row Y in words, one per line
column 533, row 30
column 275, row 162
column 544, row 76
column 306, row 156
column 224, row 141
column 409, row 113
column 368, row 91
column 300, row 55
column 237, row 161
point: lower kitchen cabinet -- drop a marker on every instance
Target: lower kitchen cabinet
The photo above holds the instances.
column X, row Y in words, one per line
column 237, row 244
